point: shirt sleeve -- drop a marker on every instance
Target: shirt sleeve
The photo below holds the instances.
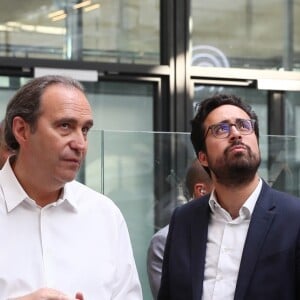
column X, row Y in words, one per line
column 127, row 285
column 155, row 259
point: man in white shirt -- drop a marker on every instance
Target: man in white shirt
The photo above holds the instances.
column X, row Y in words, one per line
column 60, row 239
column 242, row 242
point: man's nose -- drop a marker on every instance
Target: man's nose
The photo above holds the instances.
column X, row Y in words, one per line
column 234, row 132
column 79, row 141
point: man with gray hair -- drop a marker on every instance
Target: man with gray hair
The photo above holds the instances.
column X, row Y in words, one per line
column 62, row 240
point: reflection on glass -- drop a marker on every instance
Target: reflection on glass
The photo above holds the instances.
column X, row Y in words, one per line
column 121, row 105
column 93, row 30
column 143, row 172
column 8, row 87
column 246, row 34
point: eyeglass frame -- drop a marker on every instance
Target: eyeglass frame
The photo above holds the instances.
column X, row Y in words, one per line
column 252, row 122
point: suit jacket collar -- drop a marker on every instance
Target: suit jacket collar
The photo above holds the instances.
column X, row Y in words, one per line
column 199, row 230
column 260, row 223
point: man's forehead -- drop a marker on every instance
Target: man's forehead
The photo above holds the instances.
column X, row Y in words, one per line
column 226, row 113
column 60, row 97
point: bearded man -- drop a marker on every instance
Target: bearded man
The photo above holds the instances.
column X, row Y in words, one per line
column 242, row 241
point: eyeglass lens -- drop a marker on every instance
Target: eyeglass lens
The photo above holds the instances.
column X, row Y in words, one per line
column 223, row 129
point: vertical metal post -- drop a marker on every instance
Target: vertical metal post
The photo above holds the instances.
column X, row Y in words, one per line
column 74, row 30
column 288, row 20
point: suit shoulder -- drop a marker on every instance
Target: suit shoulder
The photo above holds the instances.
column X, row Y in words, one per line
column 194, row 204
column 281, row 199
column 189, row 210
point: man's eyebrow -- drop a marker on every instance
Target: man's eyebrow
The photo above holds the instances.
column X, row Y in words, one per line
column 229, row 121
column 89, row 123
column 225, row 121
column 66, row 120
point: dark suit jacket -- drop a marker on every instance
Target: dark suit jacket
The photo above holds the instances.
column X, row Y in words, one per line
column 270, row 264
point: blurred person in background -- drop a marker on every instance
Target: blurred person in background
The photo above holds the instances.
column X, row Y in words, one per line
column 197, row 183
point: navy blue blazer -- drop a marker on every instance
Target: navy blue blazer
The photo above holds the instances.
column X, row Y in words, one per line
column 270, row 263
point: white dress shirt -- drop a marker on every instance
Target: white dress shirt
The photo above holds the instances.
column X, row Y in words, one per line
column 225, row 243
column 79, row 243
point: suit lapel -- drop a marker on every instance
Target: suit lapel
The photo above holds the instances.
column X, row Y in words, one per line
column 261, row 220
column 198, row 230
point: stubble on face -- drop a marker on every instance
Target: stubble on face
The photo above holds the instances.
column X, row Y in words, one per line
column 235, row 169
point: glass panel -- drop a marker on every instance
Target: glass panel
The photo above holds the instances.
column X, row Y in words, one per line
column 106, row 30
column 8, row 87
column 143, row 178
column 117, row 106
column 121, row 105
column 133, row 176
column 129, row 181
column 246, row 34
column 292, row 110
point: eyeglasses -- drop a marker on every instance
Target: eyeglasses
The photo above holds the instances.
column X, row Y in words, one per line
column 222, row 130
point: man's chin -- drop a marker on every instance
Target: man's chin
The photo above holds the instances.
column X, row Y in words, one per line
column 68, row 176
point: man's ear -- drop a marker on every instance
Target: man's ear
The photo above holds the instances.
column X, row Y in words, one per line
column 198, row 190
column 202, row 158
column 20, row 129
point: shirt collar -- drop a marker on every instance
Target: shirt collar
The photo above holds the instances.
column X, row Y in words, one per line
column 14, row 194
column 69, row 197
column 247, row 208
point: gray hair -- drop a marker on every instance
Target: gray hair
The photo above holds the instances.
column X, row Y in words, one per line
column 26, row 103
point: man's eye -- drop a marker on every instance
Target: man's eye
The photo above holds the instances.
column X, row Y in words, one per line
column 65, row 125
column 221, row 128
column 85, row 130
column 245, row 124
